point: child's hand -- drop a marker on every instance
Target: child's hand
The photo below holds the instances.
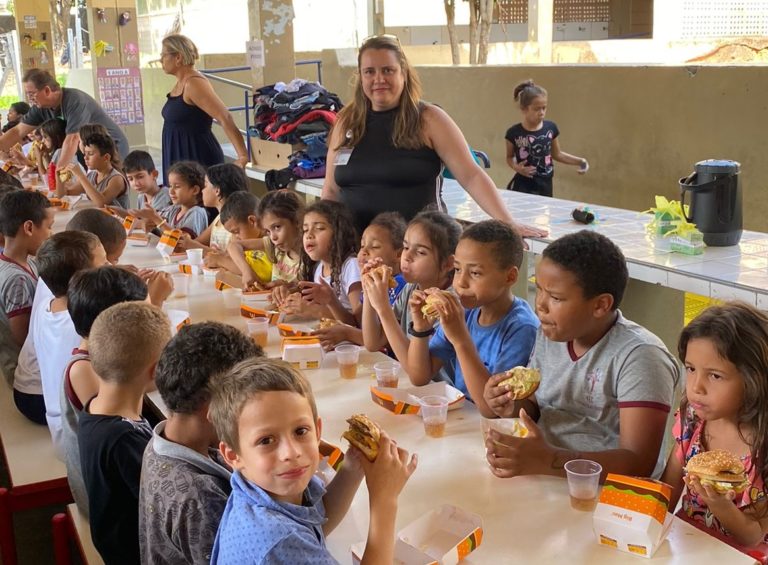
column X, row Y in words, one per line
column 526, row 170
column 250, row 280
column 415, row 303
column 319, row 294
column 511, row 456
column 329, row 337
column 387, row 476
column 530, row 231
column 713, row 499
column 149, row 214
column 184, row 242
column 371, row 264
column 280, row 295
column 499, row 398
column 292, row 304
column 584, row 167
column 452, row 316
column 376, row 289
column 75, row 169
column 160, row 285
column 212, row 259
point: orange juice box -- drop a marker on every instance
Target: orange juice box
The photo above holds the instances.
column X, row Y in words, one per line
column 274, row 316
column 445, row 536
column 331, row 458
column 138, row 239
column 291, row 330
column 128, row 223
column 632, row 514
column 168, row 242
column 302, row 352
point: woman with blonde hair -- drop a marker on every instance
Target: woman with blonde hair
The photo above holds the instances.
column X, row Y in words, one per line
column 191, row 107
column 387, row 149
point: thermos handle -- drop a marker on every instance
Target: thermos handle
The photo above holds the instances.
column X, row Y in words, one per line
column 685, row 184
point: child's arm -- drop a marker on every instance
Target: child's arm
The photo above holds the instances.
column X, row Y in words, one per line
column 421, row 366
column 19, row 325
column 568, row 159
column 84, row 381
column 159, row 287
column 321, row 294
column 334, row 335
column 341, row 490
column 748, row 527
column 385, row 478
column 100, row 199
column 673, row 476
column 519, row 168
column 379, row 323
column 236, row 255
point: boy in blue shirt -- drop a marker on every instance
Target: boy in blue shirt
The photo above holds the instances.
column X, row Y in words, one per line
column 484, row 329
column 279, row 512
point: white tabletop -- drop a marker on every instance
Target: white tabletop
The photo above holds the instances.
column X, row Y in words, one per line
column 526, row 519
column 736, row 272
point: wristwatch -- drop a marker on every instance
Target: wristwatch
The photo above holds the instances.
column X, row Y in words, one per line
column 425, row 333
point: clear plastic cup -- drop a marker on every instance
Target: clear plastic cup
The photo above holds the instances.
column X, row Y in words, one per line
column 195, row 256
column 387, row 373
column 258, row 330
column 180, row 285
column 434, row 412
column 583, row 483
column 347, row 356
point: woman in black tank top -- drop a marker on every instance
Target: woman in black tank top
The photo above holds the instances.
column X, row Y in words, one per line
column 387, row 149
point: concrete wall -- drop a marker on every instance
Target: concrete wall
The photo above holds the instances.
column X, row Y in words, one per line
column 642, row 128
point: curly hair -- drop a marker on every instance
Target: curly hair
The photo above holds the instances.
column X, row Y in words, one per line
column 345, row 241
column 193, row 357
column 507, row 244
column 739, row 333
column 594, row 260
column 407, row 131
column 191, row 173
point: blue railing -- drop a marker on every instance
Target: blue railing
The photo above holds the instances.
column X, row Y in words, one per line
column 247, row 106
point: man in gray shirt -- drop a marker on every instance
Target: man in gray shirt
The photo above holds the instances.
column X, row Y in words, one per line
column 75, row 107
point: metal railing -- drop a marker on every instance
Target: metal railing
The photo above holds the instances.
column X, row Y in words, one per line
column 248, row 105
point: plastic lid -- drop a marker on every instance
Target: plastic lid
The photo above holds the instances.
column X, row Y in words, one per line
column 718, row 166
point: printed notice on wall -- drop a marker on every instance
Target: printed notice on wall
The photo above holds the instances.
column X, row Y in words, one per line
column 254, row 52
column 30, row 22
column 120, row 94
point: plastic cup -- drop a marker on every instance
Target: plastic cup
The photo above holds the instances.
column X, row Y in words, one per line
column 195, row 256
column 180, row 285
column 583, row 483
column 258, row 330
column 387, row 373
column 347, row 356
column 434, row 412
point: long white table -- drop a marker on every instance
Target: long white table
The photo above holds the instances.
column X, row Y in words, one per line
column 526, row 519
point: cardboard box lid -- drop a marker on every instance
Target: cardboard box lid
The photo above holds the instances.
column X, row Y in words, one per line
column 406, row 400
column 644, row 496
column 447, row 533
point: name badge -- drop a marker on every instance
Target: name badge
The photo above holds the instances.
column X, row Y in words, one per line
column 342, row 157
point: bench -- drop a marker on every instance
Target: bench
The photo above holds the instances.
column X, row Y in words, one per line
column 71, row 527
column 37, row 477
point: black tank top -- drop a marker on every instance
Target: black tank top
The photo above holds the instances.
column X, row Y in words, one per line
column 381, row 178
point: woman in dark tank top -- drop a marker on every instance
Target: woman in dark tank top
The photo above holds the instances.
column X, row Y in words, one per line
column 387, row 149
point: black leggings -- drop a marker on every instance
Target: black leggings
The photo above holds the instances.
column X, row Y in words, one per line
column 31, row 405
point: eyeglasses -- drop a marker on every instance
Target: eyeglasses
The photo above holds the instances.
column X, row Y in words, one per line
column 164, row 54
column 382, row 36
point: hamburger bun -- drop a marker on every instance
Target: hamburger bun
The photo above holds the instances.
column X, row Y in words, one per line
column 364, row 434
column 429, row 309
column 719, row 469
column 326, row 323
column 386, row 273
column 522, row 382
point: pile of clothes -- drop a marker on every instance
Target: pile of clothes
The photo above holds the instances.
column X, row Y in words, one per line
column 300, row 113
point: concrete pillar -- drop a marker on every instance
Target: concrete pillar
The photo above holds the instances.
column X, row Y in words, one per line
column 541, row 17
column 376, row 17
column 33, row 22
column 115, row 63
column 272, row 22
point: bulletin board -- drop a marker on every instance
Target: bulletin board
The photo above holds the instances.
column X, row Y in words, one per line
column 120, row 94
column 35, row 43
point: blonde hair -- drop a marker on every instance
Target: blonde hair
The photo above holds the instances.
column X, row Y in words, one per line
column 407, row 132
column 127, row 338
column 182, row 45
column 230, row 392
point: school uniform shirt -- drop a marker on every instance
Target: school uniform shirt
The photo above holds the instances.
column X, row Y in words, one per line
column 111, row 450
column 193, row 222
column 17, row 293
column 350, row 274
column 534, row 149
column 122, row 200
column 501, row 346
column 160, row 201
column 71, row 409
column 579, row 398
column 258, row 530
column 181, row 501
column 26, row 378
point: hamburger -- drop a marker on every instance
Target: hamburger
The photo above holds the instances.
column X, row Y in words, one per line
column 429, row 310
column 522, row 382
column 719, row 469
column 364, row 434
column 386, row 273
column 327, row 323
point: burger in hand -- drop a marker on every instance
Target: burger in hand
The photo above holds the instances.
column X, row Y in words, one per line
column 522, row 382
column 719, row 469
column 364, row 434
column 384, row 271
column 429, row 309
